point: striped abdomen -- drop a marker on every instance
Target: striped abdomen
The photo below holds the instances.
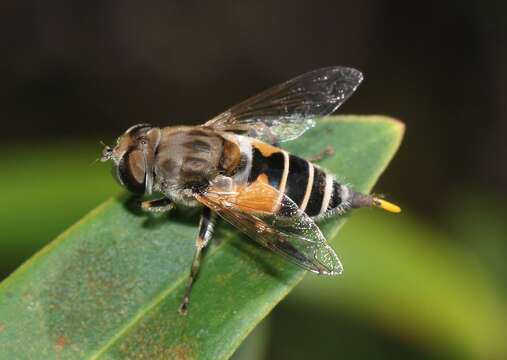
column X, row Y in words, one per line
column 314, row 191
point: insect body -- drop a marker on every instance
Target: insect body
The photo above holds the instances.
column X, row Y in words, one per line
column 232, row 167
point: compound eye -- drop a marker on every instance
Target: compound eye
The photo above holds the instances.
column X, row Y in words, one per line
column 131, row 171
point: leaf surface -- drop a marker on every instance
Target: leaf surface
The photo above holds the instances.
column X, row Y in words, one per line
column 109, row 287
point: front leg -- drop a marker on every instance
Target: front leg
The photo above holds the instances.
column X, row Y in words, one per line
column 206, row 227
column 158, row 205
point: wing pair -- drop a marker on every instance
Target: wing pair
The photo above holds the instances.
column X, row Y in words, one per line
column 279, row 114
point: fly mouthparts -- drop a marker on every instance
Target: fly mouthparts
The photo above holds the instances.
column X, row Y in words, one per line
column 107, row 153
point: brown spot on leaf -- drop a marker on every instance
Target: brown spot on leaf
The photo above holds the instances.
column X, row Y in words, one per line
column 181, row 352
column 60, row 344
column 154, row 350
column 2, row 327
column 61, row 341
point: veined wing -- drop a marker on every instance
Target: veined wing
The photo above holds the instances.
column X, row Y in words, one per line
column 287, row 231
column 286, row 111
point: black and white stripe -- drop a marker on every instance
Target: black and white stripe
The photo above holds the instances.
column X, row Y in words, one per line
column 310, row 187
column 328, row 192
column 336, row 198
column 317, row 194
column 297, row 183
column 313, row 190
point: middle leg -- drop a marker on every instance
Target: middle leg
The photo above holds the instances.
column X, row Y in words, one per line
column 206, row 227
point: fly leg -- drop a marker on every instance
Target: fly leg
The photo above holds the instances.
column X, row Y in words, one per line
column 206, row 226
column 158, row 205
column 328, row 151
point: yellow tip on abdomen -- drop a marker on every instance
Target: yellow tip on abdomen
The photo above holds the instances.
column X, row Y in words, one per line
column 386, row 205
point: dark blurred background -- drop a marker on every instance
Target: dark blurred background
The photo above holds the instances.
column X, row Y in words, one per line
column 89, row 69
column 76, row 72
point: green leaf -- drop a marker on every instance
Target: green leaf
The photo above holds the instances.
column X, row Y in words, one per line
column 110, row 286
column 54, row 187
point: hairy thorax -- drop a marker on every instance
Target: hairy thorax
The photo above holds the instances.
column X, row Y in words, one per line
column 188, row 158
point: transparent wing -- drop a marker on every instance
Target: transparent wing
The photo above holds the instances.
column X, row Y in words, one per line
column 286, row 111
column 290, row 233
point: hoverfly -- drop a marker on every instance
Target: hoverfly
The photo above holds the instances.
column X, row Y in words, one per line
column 232, row 166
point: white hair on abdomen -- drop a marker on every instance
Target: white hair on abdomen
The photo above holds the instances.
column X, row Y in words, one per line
column 245, row 147
column 345, row 193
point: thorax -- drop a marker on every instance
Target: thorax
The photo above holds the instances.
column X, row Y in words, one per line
column 192, row 156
